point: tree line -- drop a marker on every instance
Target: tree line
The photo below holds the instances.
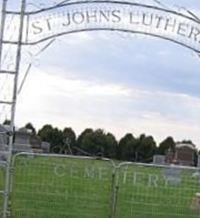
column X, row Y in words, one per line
column 104, row 144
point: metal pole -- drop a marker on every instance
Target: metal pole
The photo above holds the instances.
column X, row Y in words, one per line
column 115, row 188
column 13, row 109
column 3, row 18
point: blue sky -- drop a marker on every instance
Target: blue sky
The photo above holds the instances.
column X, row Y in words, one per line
column 115, row 81
column 192, row 4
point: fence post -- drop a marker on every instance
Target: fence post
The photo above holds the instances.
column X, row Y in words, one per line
column 114, row 191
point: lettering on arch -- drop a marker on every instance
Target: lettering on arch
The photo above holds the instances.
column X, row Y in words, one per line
column 113, row 15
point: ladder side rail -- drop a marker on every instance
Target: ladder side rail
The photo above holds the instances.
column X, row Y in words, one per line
column 2, row 30
column 13, row 109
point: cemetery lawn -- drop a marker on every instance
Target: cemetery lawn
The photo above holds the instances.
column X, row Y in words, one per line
column 76, row 188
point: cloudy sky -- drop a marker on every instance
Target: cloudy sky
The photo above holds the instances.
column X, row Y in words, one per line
column 115, row 81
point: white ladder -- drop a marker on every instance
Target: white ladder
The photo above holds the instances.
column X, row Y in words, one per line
column 12, row 102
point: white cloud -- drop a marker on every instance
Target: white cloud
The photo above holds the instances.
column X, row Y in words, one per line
column 49, row 98
column 57, row 85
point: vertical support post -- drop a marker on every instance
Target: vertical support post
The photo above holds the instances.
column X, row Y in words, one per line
column 114, row 190
column 13, row 109
column 3, row 18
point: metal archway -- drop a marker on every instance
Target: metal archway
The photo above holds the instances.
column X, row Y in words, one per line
column 76, row 16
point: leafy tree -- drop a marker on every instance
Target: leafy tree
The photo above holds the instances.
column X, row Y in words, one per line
column 69, row 139
column 53, row 136
column 46, row 132
column 30, row 127
column 82, row 135
column 7, row 122
column 146, row 148
column 127, row 149
column 89, row 143
column 188, row 141
column 110, row 148
column 98, row 143
column 165, row 145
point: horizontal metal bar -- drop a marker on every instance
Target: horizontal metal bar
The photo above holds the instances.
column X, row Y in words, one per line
column 10, row 42
column 63, row 156
column 103, row 29
column 115, row 165
column 2, row 192
column 156, row 165
column 13, row 12
column 6, row 102
column 108, row 1
column 7, row 72
column 195, row 19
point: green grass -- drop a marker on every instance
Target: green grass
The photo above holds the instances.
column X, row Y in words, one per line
column 75, row 188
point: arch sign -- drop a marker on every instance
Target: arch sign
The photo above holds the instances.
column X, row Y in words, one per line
column 112, row 15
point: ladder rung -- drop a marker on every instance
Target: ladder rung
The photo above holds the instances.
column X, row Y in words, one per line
column 13, row 12
column 6, row 102
column 7, row 72
column 10, row 42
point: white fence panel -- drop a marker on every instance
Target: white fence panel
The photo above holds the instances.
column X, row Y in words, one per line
column 56, row 186
column 158, row 191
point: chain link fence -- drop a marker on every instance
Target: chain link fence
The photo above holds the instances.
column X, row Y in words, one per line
column 74, row 187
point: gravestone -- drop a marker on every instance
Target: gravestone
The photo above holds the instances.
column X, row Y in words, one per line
column 159, row 159
column 22, row 141
column 45, row 146
column 172, row 175
column 198, row 163
column 3, row 143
